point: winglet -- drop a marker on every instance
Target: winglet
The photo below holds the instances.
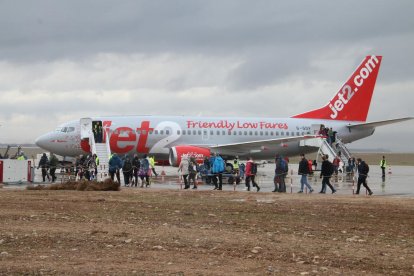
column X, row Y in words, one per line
column 352, row 101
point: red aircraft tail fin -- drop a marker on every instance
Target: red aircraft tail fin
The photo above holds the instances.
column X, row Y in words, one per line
column 352, row 101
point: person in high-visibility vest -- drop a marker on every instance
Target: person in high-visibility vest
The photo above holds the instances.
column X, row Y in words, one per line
column 236, row 166
column 383, row 165
column 152, row 164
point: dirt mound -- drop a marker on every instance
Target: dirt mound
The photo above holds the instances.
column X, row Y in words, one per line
column 83, row 185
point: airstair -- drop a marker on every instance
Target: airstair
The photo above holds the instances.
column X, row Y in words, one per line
column 102, row 150
column 326, row 149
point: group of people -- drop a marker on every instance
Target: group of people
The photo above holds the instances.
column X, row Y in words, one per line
column 133, row 169
column 48, row 166
column 328, row 169
column 329, row 133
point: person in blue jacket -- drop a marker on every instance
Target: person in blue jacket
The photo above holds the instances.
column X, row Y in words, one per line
column 115, row 164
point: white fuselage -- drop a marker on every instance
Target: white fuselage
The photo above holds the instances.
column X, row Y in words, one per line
column 157, row 134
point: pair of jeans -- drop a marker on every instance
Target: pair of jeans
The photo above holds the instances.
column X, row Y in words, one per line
column 304, row 181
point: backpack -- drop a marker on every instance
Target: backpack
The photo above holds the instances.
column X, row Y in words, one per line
column 192, row 168
column 253, row 168
column 366, row 167
column 218, row 166
column 331, row 169
column 284, row 166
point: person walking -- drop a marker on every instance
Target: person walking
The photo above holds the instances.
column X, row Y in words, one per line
column 217, row 169
column 363, row 170
column 251, row 171
column 280, row 174
column 53, row 162
column 144, row 170
column 192, row 169
column 115, row 164
column 326, row 173
column 135, row 169
column 383, row 165
column 183, row 168
column 304, row 171
column 44, row 163
column 127, row 170
column 151, row 160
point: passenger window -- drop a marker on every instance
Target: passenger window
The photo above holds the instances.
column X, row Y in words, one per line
column 205, row 132
column 277, row 133
column 235, row 133
column 250, row 133
column 255, row 133
column 144, row 132
column 223, row 132
column 287, row 133
column 271, row 133
column 211, row 132
column 194, row 132
column 199, row 132
column 161, row 132
column 178, row 132
column 64, row 129
column 297, row 133
column 303, row 133
column 282, row 133
column 167, row 132
column 151, row 132
column 245, row 133
column 184, row 132
column 240, row 133
column 218, row 132
column 189, row 132
column 266, row 133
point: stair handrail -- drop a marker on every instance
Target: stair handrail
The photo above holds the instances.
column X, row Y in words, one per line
column 344, row 149
column 108, row 146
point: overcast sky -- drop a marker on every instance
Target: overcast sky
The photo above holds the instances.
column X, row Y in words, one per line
column 63, row 60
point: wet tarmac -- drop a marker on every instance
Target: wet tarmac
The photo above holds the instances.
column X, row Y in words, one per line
column 399, row 181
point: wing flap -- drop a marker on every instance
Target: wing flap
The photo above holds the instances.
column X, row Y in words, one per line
column 259, row 145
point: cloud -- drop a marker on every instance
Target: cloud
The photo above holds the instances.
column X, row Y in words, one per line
column 62, row 60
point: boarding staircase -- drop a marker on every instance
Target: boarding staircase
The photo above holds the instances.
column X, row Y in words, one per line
column 326, row 149
column 103, row 151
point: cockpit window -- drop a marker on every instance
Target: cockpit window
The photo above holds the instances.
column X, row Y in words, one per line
column 65, row 129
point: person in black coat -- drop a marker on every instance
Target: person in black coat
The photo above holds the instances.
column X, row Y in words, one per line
column 44, row 164
column 326, row 173
column 363, row 170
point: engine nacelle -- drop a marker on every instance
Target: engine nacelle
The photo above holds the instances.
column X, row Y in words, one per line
column 176, row 153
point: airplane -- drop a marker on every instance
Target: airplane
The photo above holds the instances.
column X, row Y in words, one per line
column 168, row 138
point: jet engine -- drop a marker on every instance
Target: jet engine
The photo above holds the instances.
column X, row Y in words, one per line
column 176, row 154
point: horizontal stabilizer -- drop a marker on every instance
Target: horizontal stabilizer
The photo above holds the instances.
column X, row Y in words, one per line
column 379, row 123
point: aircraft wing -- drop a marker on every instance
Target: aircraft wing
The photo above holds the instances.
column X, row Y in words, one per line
column 260, row 145
column 379, row 123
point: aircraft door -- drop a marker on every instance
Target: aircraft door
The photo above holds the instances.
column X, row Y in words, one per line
column 97, row 131
column 85, row 128
column 315, row 128
column 205, row 135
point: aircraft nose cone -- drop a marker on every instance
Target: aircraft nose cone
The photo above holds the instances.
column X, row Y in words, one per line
column 41, row 141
